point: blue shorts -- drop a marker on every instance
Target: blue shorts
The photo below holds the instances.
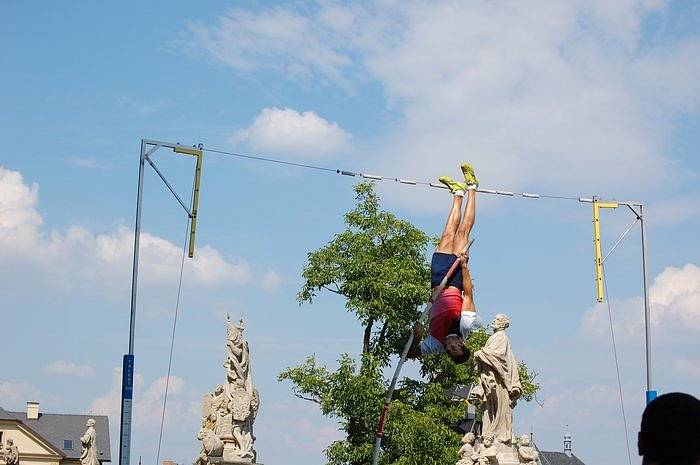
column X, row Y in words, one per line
column 440, row 265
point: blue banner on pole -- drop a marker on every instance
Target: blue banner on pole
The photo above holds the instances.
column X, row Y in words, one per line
column 651, row 395
column 127, row 396
column 128, row 377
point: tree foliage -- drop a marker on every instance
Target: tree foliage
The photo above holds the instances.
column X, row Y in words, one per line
column 378, row 264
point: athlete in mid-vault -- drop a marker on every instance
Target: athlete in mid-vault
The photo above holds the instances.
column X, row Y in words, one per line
column 453, row 314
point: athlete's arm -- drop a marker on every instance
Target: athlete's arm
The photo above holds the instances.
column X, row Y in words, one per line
column 467, row 285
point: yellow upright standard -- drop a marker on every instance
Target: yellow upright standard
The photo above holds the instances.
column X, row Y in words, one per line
column 197, row 152
column 597, row 205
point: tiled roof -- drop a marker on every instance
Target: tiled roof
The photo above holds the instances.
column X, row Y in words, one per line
column 55, row 428
column 558, row 458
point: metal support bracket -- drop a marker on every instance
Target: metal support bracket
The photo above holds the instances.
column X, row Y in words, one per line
column 597, row 205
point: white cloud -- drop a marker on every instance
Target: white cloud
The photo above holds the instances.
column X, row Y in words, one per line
column 86, row 162
column 534, row 94
column 14, row 392
column 61, row 367
column 270, row 281
column 675, row 295
column 674, row 299
column 148, row 402
column 18, row 203
column 685, row 366
column 138, row 107
column 83, row 260
column 280, row 38
column 673, row 211
column 628, row 319
column 284, row 130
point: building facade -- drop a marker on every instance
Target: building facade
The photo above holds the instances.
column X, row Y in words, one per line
column 51, row 439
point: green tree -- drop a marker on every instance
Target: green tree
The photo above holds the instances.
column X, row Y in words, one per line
column 378, row 265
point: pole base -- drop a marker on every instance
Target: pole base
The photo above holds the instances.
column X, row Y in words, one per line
column 651, row 395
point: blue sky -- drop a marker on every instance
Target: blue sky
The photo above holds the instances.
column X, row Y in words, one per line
column 571, row 98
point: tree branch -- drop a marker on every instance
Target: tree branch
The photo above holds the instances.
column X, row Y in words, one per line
column 367, row 336
column 335, row 291
column 382, row 334
column 316, row 401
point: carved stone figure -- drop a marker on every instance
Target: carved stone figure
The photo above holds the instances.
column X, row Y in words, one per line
column 528, row 454
column 89, row 442
column 11, row 454
column 212, row 446
column 486, row 453
column 467, row 450
column 499, row 386
column 229, row 412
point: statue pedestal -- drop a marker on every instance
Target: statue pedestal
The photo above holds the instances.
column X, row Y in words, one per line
column 226, row 462
column 230, row 454
column 507, row 454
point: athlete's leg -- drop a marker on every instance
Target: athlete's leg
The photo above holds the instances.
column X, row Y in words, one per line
column 461, row 237
column 451, row 225
column 454, row 218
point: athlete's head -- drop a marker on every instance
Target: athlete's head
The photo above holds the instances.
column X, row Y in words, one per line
column 455, row 348
column 670, row 431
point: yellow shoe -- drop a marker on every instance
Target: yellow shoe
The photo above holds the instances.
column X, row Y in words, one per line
column 469, row 175
column 453, row 186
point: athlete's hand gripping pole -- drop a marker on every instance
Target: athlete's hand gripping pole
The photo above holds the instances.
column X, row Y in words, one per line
column 426, row 311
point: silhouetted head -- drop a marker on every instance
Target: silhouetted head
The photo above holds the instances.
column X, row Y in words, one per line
column 455, row 348
column 670, row 431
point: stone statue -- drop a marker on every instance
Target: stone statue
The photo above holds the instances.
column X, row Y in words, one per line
column 467, row 450
column 487, row 452
column 229, row 412
column 499, row 386
column 89, row 442
column 528, row 454
column 11, row 454
column 212, row 446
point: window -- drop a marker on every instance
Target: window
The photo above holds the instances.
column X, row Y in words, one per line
column 67, row 444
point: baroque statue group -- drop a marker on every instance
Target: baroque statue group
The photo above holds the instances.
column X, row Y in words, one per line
column 495, row 394
column 228, row 413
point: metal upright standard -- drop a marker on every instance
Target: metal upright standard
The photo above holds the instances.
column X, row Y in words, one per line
column 599, row 260
column 148, row 148
column 651, row 394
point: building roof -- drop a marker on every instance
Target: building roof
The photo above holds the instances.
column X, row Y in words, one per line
column 57, row 427
column 558, row 458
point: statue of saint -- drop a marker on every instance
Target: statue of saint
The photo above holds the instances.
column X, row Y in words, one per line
column 11, row 453
column 499, row 386
column 89, row 442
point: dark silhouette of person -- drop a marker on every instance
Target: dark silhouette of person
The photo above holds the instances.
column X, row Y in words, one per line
column 670, row 431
